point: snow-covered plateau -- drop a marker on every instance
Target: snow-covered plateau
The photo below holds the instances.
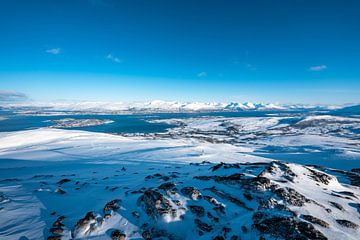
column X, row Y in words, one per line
column 209, row 177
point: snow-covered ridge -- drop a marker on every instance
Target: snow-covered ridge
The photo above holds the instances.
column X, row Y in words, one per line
column 152, row 106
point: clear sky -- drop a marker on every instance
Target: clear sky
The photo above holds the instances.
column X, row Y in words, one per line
column 286, row 51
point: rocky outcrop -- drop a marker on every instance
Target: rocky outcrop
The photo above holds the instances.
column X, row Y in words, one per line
column 191, row 192
column 285, row 227
column 315, row 220
column 347, row 223
column 291, row 196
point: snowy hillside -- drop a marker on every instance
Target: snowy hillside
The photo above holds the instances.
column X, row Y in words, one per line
column 65, row 184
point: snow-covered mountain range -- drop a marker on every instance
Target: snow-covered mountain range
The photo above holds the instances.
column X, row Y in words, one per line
column 156, row 106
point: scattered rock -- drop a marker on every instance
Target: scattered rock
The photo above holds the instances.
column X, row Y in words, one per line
column 347, row 223
column 197, row 210
column 285, row 227
column 291, row 196
column 86, row 225
column 315, row 220
column 60, row 191
column 191, row 192
column 154, row 203
column 112, row 206
column 167, row 186
column 203, row 226
column 337, row 205
column 228, row 197
column 320, row 176
column 62, row 181
column 117, row 235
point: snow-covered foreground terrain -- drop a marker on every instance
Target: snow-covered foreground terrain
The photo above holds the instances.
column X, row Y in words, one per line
column 326, row 140
column 197, row 184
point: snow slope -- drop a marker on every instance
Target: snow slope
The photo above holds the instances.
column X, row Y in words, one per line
column 63, row 184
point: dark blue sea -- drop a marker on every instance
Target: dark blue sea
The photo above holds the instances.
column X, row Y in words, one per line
column 133, row 123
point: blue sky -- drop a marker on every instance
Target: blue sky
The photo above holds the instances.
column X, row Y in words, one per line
column 300, row 51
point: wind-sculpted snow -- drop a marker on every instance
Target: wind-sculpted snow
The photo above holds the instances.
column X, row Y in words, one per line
column 62, row 184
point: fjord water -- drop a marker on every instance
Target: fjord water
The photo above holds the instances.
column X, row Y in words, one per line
column 129, row 123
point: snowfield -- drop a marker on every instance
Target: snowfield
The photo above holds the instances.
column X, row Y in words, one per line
column 67, row 184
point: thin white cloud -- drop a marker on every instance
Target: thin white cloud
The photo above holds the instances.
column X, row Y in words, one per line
column 113, row 58
column 54, row 51
column 12, row 96
column 202, row 74
column 318, row 68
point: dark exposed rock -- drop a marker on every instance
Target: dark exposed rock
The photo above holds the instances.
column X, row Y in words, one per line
column 112, row 206
column 346, row 193
column 231, row 179
column 225, row 166
column 60, row 191
column 315, row 220
column 43, row 176
column 118, row 235
column 347, row 223
column 10, row 180
column 54, row 237
column 257, row 183
column 197, row 210
column 354, row 179
column 225, row 231
column 113, row 189
column 56, row 230
column 135, row 214
column 291, row 196
column 212, row 217
column 244, row 229
column 203, row 226
column 85, row 223
column 4, row 198
column 154, row 203
column 320, row 176
column 337, row 205
column 58, row 222
column 287, row 173
column 191, row 192
column 62, row 181
column 218, row 238
column 177, row 202
column 248, row 195
column 285, row 227
column 153, row 233
column 159, row 176
column 272, row 203
column 167, row 186
column 228, row 197
column 218, row 207
column 146, row 235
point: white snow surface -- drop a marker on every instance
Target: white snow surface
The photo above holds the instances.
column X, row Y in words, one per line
column 102, row 167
